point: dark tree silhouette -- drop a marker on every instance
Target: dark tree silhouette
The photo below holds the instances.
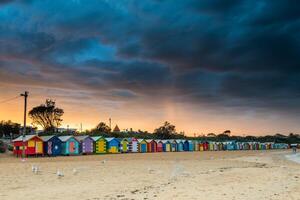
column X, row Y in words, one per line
column 102, row 128
column 166, row 131
column 47, row 115
column 9, row 127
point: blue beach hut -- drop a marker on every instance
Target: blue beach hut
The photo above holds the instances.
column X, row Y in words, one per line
column 142, row 145
column 52, row 145
column 186, row 145
column 113, row 145
column 179, row 145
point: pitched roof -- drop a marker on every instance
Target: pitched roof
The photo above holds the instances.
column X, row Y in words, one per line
column 149, row 140
column 141, row 140
column 110, row 139
column 81, row 137
column 65, row 138
column 47, row 138
column 165, row 141
column 95, row 138
column 26, row 138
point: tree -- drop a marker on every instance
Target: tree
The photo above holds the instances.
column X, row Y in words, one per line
column 9, row 127
column 47, row 115
column 166, row 131
column 227, row 132
column 102, row 128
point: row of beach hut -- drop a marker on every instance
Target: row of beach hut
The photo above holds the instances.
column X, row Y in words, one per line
column 76, row 145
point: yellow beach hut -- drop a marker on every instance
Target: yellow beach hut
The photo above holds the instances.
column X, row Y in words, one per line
column 100, row 144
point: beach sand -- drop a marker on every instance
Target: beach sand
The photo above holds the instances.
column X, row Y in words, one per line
column 179, row 175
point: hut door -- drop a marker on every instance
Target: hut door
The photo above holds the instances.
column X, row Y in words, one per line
column 124, row 146
column 39, row 147
column 72, row 147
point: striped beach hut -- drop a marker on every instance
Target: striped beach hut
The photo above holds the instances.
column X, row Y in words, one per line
column 124, row 145
column 159, row 145
column 179, row 145
column 142, row 145
column 133, row 145
column 100, row 144
column 70, row 146
column 86, row 144
column 113, row 145
column 33, row 145
column 151, row 145
column 52, row 145
column 166, row 145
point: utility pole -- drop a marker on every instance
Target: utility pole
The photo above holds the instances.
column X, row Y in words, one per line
column 110, row 123
column 25, row 95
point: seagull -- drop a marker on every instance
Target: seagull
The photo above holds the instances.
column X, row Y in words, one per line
column 75, row 171
column 103, row 161
column 35, row 169
column 59, row 174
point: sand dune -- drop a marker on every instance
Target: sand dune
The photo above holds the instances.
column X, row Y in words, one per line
column 186, row 175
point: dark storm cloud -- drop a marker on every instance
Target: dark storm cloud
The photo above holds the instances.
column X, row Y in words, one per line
column 229, row 53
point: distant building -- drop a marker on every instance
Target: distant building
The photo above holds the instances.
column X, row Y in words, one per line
column 116, row 129
column 68, row 130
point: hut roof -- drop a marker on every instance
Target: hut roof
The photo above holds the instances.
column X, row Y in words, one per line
column 27, row 137
column 179, row 141
column 157, row 141
column 82, row 137
column 47, row 138
column 95, row 138
column 165, row 141
column 141, row 140
column 149, row 140
column 110, row 139
column 65, row 138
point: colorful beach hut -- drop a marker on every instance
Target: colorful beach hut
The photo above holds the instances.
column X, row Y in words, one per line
column 124, row 145
column 151, row 145
column 142, row 145
column 166, row 145
column 196, row 145
column 173, row 145
column 86, row 144
column 70, row 146
column 133, row 145
column 33, row 145
column 179, row 145
column 112, row 145
column 159, row 145
column 188, row 145
column 52, row 145
column 100, row 144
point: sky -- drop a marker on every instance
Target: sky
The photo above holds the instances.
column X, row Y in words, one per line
column 203, row 65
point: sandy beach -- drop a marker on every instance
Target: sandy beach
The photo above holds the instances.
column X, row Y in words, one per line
column 186, row 175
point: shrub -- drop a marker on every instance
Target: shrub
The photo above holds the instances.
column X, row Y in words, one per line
column 2, row 147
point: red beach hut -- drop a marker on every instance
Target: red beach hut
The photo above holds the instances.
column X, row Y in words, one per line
column 159, row 146
column 151, row 145
column 33, row 145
